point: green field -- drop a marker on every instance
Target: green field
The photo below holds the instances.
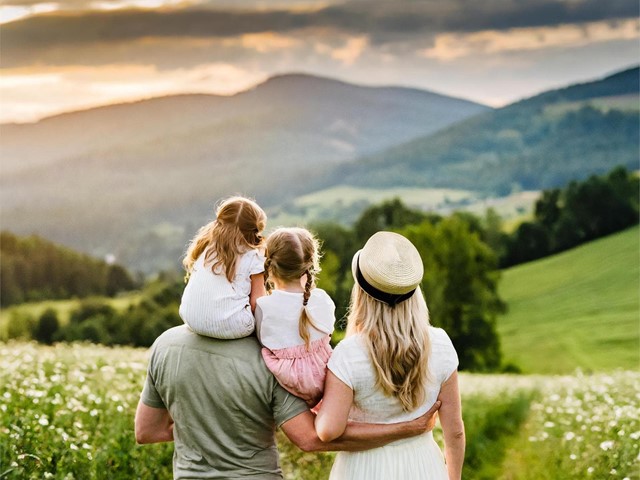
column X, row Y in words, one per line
column 577, row 309
column 62, row 307
column 344, row 203
column 66, row 412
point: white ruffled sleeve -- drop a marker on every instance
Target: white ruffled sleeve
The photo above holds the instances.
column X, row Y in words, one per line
column 339, row 363
column 443, row 354
column 257, row 263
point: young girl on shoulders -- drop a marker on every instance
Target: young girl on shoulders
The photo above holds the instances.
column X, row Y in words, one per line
column 225, row 269
column 295, row 321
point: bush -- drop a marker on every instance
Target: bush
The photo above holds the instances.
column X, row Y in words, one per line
column 47, row 327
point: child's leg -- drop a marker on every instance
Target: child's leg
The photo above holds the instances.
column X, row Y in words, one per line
column 236, row 325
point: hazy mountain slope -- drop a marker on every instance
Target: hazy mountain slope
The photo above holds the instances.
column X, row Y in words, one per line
column 541, row 142
column 135, row 178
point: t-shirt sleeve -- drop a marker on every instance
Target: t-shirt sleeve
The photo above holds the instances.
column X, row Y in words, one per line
column 150, row 395
column 445, row 353
column 286, row 405
column 327, row 319
column 339, row 363
column 256, row 264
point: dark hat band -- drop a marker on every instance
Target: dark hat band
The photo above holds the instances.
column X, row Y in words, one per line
column 391, row 299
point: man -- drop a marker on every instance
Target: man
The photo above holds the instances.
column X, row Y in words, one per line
column 220, row 405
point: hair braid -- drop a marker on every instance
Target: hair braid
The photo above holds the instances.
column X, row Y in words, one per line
column 268, row 285
column 307, row 288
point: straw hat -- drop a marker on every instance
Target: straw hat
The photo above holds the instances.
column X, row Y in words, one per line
column 388, row 268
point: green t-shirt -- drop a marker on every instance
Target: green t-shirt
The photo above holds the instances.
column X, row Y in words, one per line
column 225, row 404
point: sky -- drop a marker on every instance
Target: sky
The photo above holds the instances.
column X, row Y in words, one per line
column 64, row 55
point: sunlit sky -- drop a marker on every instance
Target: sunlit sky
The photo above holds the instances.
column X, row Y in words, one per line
column 71, row 54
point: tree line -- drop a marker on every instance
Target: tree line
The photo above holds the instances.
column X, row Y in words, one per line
column 575, row 214
column 34, row 269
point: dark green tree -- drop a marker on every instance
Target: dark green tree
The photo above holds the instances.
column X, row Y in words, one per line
column 47, row 327
column 460, row 285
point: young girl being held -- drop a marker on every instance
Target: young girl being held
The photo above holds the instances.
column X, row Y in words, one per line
column 225, row 271
column 294, row 323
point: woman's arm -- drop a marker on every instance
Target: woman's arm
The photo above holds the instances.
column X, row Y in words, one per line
column 452, row 426
column 257, row 290
column 332, row 418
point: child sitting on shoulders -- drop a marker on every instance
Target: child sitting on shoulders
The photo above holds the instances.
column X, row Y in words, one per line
column 225, row 268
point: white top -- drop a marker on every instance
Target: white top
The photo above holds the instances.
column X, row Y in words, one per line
column 211, row 303
column 350, row 362
column 278, row 314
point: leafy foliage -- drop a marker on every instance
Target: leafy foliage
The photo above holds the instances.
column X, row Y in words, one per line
column 35, row 269
column 578, row 213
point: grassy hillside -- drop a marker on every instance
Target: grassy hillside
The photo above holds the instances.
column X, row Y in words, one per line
column 344, row 204
column 578, row 309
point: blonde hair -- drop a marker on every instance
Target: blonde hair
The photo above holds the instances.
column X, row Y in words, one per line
column 290, row 254
column 237, row 228
column 397, row 341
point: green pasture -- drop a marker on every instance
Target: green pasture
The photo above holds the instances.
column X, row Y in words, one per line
column 627, row 103
column 344, row 203
column 577, row 309
column 63, row 309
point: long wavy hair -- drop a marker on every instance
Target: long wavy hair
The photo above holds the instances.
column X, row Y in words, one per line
column 398, row 342
column 237, row 228
column 290, row 254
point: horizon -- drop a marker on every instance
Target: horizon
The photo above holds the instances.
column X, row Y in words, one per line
column 72, row 55
column 276, row 75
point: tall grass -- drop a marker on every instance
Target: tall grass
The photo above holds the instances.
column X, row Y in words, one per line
column 578, row 309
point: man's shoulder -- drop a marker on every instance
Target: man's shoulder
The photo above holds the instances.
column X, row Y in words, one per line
column 183, row 336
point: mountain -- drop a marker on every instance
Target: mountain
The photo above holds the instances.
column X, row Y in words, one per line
column 541, row 142
column 138, row 179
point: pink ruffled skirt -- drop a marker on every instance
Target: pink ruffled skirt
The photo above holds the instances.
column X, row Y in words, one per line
column 299, row 370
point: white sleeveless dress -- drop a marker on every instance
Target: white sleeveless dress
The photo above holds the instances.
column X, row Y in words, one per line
column 416, row 458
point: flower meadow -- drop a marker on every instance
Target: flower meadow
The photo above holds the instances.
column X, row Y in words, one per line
column 66, row 412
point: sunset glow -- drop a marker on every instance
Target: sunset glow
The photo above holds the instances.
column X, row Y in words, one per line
column 109, row 51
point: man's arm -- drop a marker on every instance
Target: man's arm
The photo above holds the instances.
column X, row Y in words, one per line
column 357, row 436
column 153, row 425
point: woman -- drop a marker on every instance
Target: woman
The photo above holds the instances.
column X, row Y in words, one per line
column 391, row 367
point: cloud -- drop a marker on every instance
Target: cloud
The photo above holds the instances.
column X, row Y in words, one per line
column 449, row 46
column 382, row 21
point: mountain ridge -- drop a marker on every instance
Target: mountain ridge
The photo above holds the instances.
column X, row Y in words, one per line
column 97, row 178
column 520, row 146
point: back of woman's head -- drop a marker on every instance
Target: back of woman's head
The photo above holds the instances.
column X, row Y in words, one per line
column 237, row 228
column 292, row 253
column 398, row 343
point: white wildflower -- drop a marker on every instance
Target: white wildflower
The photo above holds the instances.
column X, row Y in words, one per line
column 606, row 445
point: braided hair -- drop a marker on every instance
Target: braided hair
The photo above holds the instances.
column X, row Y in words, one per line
column 292, row 253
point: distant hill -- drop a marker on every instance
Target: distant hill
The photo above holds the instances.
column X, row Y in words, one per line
column 133, row 179
column 541, row 142
column 578, row 309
